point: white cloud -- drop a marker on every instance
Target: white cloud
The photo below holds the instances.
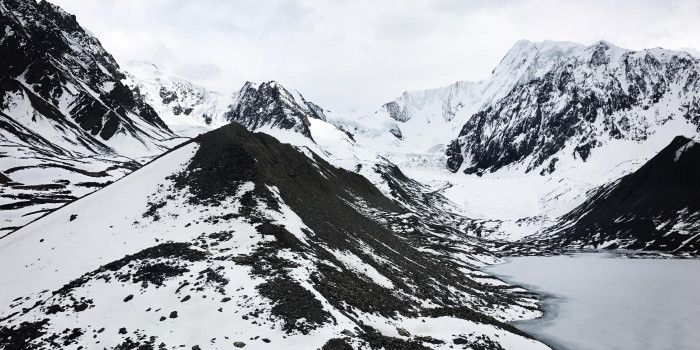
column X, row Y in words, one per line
column 350, row 53
column 199, row 72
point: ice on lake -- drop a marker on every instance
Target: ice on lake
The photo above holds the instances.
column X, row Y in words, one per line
column 597, row 301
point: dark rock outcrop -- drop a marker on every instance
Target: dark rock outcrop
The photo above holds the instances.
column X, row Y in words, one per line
column 655, row 208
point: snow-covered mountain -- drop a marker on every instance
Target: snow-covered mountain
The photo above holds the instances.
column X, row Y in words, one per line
column 322, row 230
column 191, row 109
column 655, row 208
column 60, row 86
column 235, row 239
column 544, row 95
column 68, row 124
column 554, row 121
column 572, row 101
column 186, row 107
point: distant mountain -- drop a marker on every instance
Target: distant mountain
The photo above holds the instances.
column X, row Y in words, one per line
column 271, row 105
column 655, row 208
column 68, row 124
column 547, row 105
column 183, row 103
column 178, row 101
column 235, row 239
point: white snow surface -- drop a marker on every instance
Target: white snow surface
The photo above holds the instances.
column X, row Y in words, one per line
column 102, row 232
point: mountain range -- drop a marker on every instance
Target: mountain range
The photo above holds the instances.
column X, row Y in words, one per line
column 151, row 212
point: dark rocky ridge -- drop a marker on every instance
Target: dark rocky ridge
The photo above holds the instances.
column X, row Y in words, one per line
column 655, row 208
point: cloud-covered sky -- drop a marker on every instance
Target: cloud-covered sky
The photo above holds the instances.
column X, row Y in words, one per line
column 344, row 54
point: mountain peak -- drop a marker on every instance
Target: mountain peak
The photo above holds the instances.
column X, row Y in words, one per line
column 271, row 105
column 273, row 84
column 559, row 95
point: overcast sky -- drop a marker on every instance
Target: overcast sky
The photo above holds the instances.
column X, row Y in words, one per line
column 344, row 54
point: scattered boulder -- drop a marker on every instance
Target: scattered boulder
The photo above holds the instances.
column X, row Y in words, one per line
column 336, row 344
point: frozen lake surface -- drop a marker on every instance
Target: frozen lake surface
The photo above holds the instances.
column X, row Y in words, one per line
column 597, row 301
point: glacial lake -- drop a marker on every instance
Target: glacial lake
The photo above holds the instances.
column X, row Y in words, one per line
column 600, row 301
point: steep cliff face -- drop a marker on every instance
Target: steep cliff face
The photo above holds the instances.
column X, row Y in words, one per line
column 58, row 82
column 570, row 102
column 68, row 125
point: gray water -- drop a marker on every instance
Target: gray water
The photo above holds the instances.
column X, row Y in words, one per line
column 596, row 301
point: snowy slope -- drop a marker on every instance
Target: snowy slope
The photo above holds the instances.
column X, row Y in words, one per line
column 67, row 124
column 655, row 208
column 41, row 182
column 215, row 243
column 62, row 85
